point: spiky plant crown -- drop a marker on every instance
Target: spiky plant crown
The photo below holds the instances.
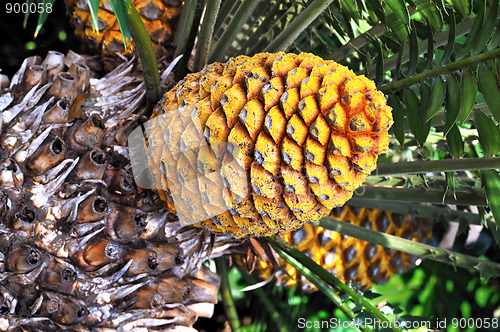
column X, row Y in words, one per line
column 82, row 247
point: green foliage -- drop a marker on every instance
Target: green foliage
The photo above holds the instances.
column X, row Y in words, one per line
column 43, row 9
column 442, row 294
column 430, row 292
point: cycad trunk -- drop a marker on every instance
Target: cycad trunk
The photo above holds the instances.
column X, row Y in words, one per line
column 82, row 247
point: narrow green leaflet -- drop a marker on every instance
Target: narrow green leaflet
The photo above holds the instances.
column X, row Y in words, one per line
column 299, row 24
column 495, row 40
column 486, row 29
column 468, row 95
column 425, row 97
column 424, row 250
column 379, row 76
column 489, row 87
column 227, row 299
column 430, row 48
column 120, row 10
column 334, row 22
column 27, row 14
column 94, row 8
column 375, row 11
column 462, row 7
column 489, row 133
column 413, row 50
column 42, row 17
column 437, row 97
column 431, row 12
column 397, row 25
column 416, row 120
column 490, row 181
column 452, row 102
column 348, row 7
column 455, row 142
column 146, row 55
column 397, row 69
column 451, row 39
column 399, row 8
column 398, row 128
column 473, row 35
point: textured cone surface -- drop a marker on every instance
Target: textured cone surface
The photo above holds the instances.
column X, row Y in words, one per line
column 81, row 248
column 305, row 133
column 159, row 17
column 349, row 259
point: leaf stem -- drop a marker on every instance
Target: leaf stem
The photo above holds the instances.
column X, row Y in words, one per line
column 299, row 24
column 184, row 38
column 419, row 210
column 225, row 292
column 320, row 284
column 147, row 56
column 240, row 17
column 444, row 165
column 357, row 43
column 406, row 82
column 206, row 34
column 419, row 195
column 260, row 36
column 225, row 11
column 411, row 247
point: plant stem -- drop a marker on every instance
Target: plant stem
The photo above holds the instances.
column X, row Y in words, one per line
column 206, row 34
column 357, row 43
column 328, row 277
column 415, row 180
column 320, row 284
column 240, row 17
column 428, row 212
column 406, row 82
column 260, row 35
column 147, row 56
column 444, row 165
column 299, row 24
column 183, row 38
column 225, row 10
column 411, row 247
column 184, row 26
column 225, row 291
column 271, row 30
column 420, row 195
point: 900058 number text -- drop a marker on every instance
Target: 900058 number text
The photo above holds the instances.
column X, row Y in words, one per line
column 24, row 8
column 464, row 323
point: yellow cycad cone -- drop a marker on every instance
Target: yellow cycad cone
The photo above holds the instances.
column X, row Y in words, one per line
column 304, row 133
column 349, row 259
